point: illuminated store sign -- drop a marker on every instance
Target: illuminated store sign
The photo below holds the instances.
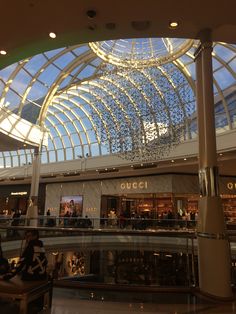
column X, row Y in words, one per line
column 91, row 209
column 18, row 193
column 231, row 185
column 134, row 185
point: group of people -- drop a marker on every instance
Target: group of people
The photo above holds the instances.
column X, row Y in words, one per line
column 143, row 220
column 73, row 220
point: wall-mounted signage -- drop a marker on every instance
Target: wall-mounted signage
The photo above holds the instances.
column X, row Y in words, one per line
column 134, row 185
column 91, row 209
column 18, row 193
column 231, row 186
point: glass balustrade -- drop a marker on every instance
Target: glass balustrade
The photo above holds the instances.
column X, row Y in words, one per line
column 155, row 256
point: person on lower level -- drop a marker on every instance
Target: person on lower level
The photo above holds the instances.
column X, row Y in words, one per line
column 33, row 261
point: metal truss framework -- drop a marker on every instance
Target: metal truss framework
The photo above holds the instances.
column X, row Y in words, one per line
column 71, row 90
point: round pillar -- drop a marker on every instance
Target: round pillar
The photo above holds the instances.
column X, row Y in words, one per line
column 214, row 258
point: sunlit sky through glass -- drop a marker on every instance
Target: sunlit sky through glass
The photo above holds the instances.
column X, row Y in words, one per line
column 82, row 86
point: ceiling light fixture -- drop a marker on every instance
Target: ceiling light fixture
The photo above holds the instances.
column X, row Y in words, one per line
column 173, row 24
column 52, row 35
column 3, row 52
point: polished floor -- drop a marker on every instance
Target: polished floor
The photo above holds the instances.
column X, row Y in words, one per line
column 72, row 301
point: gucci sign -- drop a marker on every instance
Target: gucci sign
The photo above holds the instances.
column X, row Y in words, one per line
column 231, row 185
column 134, row 185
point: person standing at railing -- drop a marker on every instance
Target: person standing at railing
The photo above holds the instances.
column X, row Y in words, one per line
column 74, row 218
column 15, row 221
column 87, row 222
column 66, row 219
column 48, row 217
column 122, row 221
column 192, row 218
column 16, row 218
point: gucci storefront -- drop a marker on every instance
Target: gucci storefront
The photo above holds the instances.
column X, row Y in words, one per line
column 149, row 196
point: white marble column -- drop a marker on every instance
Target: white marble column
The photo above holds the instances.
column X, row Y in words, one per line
column 32, row 210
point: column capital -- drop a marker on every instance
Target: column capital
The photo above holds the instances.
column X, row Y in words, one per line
column 201, row 47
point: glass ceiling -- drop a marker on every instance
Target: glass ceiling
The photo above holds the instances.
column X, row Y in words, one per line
column 87, row 93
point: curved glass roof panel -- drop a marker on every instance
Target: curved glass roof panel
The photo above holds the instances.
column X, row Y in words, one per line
column 86, row 95
column 140, row 52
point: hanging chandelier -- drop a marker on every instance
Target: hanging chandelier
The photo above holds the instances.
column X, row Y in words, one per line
column 141, row 114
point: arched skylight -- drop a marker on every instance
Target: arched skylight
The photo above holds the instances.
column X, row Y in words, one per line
column 71, row 92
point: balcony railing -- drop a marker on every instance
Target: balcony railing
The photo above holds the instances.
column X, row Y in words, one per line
column 155, row 254
column 100, row 223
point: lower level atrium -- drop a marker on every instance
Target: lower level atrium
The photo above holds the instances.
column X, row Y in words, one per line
column 72, row 301
column 112, row 270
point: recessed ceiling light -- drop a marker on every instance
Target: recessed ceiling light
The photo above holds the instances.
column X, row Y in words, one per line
column 173, row 24
column 3, row 52
column 172, row 160
column 52, row 35
column 185, row 158
column 221, row 154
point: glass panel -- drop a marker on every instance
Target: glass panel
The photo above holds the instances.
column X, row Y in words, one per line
column 35, row 64
column 223, row 52
column 49, row 75
column 52, row 156
column 60, row 155
column 22, row 159
column 57, row 142
column 21, row 81
column 86, row 72
column 15, row 161
column 75, row 139
column 12, row 100
column 1, row 162
column 95, row 149
column 44, row 158
column 64, row 60
column 52, row 53
column 37, row 91
column 5, row 73
column 224, row 78
column 80, row 50
column 66, row 141
column 83, row 138
column 69, row 153
column 78, row 151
